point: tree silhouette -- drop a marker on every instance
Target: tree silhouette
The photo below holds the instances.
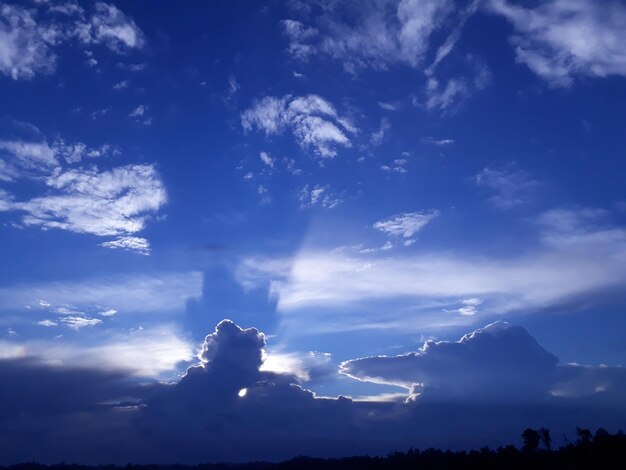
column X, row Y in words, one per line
column 584, row 435
column 531, row 439
column 544, row 434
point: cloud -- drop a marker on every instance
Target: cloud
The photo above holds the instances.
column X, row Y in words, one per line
column 450, row 94
column 433, row 141
column 378, row 35
column 318, row 196
column 109, row 26
column 407, row 224
column 25, row 46
column 77, row 323
column 28, row 36
column 398, row 166
column 228, row 400
column 513, row 187
column 312, row 120
column 298, row 34
column 104, row 203
column 132, row 293
column 267, row 159
column 378, row 136
column 121, row 85
column 560, row 40
column 381, row 289
column 498, row 362
column 83, row 199
column 136, row 244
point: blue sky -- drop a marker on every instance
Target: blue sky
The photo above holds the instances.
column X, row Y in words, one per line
column 350, row 178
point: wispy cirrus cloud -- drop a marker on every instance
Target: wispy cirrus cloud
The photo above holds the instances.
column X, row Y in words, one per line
column 442, row 288
column 313, row 122
column 407, row 224
column 512, row 186
column 132, row 293
column 562, row 39
column 378, row 35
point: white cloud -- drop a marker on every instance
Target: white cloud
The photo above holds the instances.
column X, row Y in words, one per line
column 29, row 35
column 77, row 323
column 398, row 166
column 433, row 141
column 136, row 244
column 311, row 196
column 561, row 39
column 138, row 293
column 513, row 187
column 267, row 159
column 429, row 285
column 378, row 136
column 146, row 352
column 451, row 94
column 83, row 199
column 378, row 34
column 115, row 202
column 313, row 121
column 298, row 34
column 140, row 115
column 30, row 155
column 47, row 323
column 387, row 106
column 407, row 224
column 121, row 85
column 111, row 27
column 25, row 46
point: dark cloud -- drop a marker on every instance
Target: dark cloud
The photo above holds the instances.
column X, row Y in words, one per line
column 227, row 409
column 499, row 362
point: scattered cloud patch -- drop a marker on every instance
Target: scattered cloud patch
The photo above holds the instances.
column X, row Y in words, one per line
column 267, row 159
column 312, row 196
column 29, row 36
column 312, row 120
column 407, row 224
column 80, row 198
column 440, row 142
column 513, row 187
column 398, row 166
column 378, row 136
column 136, row 244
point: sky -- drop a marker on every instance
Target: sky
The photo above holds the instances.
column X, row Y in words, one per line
column 254, row 230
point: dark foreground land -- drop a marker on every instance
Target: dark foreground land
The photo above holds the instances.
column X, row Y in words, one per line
column 593, row 452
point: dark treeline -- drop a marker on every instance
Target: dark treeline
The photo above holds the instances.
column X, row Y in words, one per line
column 591, row 451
